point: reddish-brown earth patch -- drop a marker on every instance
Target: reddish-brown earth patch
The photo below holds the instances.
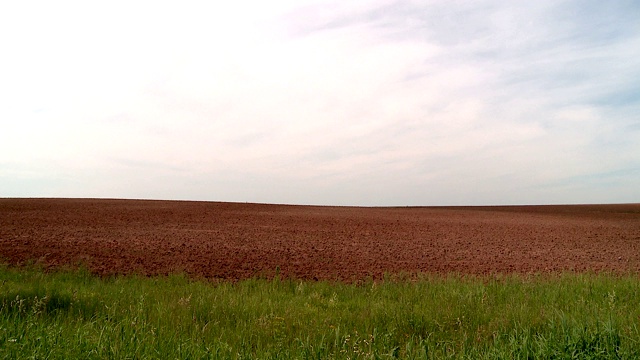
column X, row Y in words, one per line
column 234, row 241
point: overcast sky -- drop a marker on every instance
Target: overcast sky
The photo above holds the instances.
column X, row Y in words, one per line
column 322, row 102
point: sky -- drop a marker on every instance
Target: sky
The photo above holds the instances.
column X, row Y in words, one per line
column 365, row 103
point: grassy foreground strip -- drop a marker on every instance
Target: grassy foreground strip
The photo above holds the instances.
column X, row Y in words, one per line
column 76, row 315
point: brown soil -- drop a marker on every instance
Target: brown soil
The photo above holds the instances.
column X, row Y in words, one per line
column 235, row 241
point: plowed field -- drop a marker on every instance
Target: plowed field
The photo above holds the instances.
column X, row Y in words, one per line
column 235, row 241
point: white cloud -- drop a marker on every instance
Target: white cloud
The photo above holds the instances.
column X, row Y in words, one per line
column 364, row 103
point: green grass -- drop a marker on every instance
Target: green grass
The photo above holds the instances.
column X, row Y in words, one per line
column 76, row 315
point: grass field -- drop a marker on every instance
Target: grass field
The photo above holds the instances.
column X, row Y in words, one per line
column 72, row 314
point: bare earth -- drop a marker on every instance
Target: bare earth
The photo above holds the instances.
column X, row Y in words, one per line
column 235, row 241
